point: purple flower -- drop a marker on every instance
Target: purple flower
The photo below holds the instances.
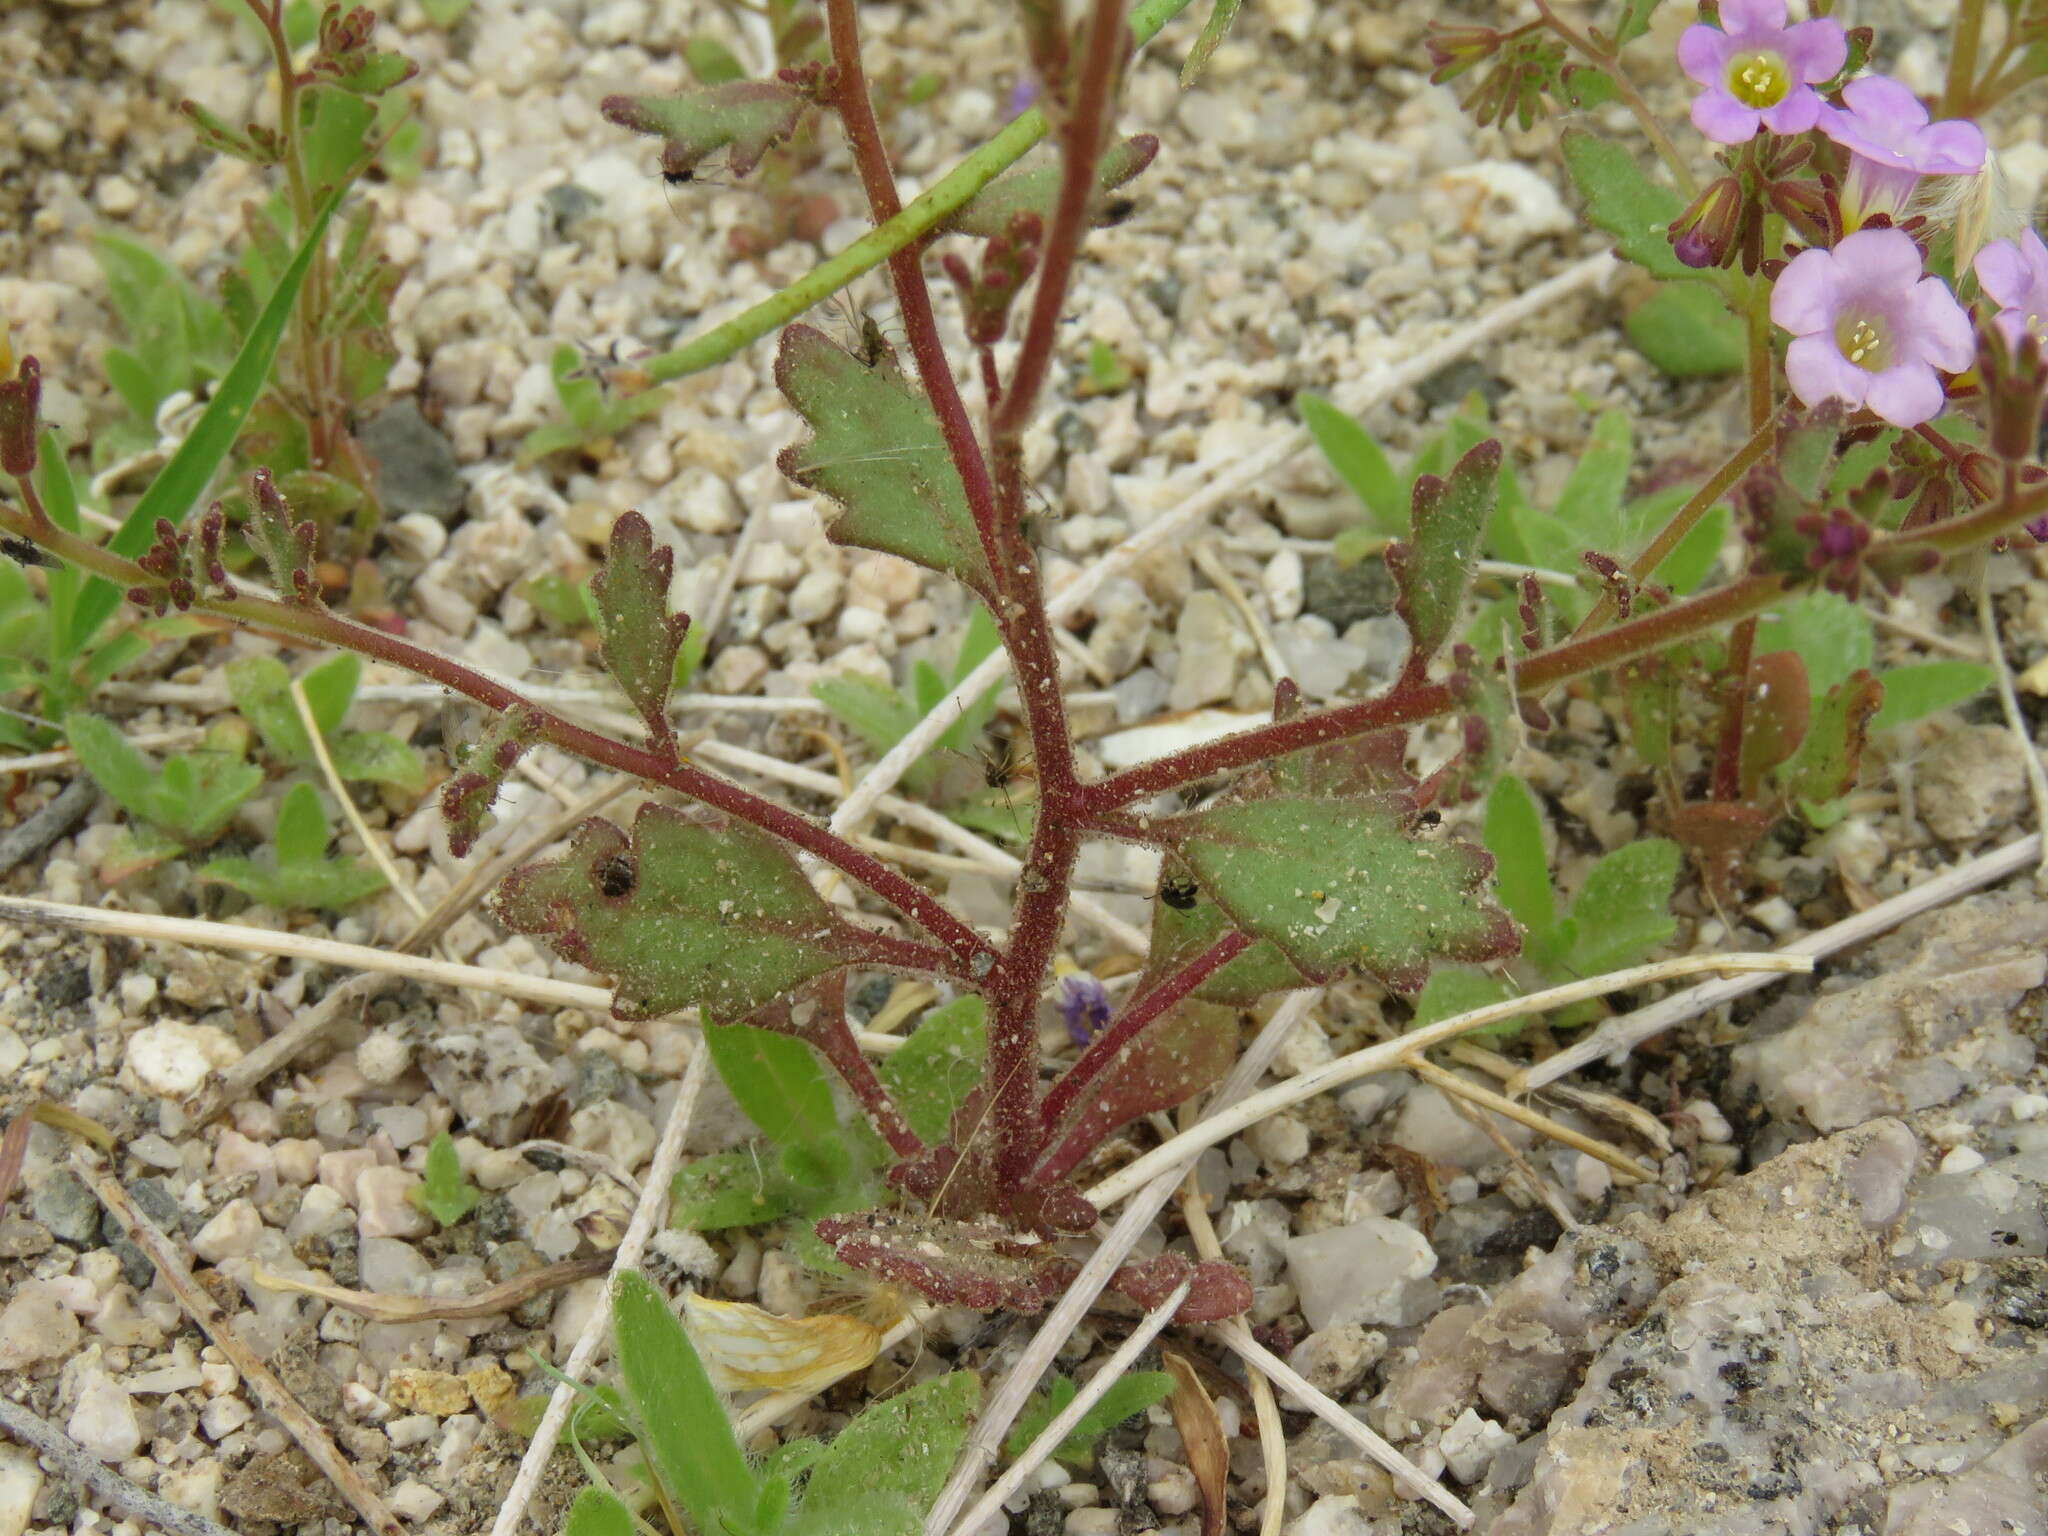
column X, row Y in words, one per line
column 1892, row 145
column 1870, row 327
column 1758, row 72
column 2015, row 278
column 1084, row 1007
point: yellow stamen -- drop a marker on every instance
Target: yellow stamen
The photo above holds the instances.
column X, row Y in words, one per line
column 1863, row 344
column 1759, row 81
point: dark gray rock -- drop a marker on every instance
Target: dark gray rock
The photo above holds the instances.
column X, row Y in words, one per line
column 416, row 469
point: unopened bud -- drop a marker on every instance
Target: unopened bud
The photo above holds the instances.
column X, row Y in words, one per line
column 20, row 400
column 1705, row 234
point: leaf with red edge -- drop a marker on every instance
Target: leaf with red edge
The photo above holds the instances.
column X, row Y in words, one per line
column 637, row 632
column 877, row 450
column 1167, row 1063
column 1035, row 191
column 746, row 118
column 1186, row 924
column 1218, row 1289
column 954, row 1263
column 1433, row 566
column 1828, row 760
column 1337, row 881
column 695, row 909
column 1775, row 715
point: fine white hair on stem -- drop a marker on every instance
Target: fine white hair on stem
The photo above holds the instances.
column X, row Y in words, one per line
column 647, row 1214
column 1333, row 1413
column 1234, row 480
column 1092, row 1392
column 1616, row 1037
column 1008, row 1399
column 1390, row 1054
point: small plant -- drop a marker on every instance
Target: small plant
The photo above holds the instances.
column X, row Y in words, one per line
column 176, row 806
column 296, row 872
column 594, row 417
column 262, row 689
column 876, row 1477
column 444, row 1191
column 1131, row 1396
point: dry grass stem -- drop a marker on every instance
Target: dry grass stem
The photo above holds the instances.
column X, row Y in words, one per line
column 1092, row 1392
column 1540, row 1189
column 1211, row 566
column 102, row 1481
column 1618, row 1036
column 1926, row 637
column 313, row 1439
column 1390, row 1054
column 60, row 757
column 1333, row 1413
column 489, row 1302
column 647, row 1214
column 234, row 1083
column 1604, row 1106
column 36, row 831
column 1513, row 1109
column 1201, row 1438
column 373, row 845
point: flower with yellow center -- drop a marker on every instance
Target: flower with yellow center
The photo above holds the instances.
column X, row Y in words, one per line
column 1759, row 73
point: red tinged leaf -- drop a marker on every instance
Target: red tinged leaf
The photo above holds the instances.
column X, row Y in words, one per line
column 1433, row 566
column 1169, row 1062
column 1775, row 718
column 639, row 636
column 746, row 118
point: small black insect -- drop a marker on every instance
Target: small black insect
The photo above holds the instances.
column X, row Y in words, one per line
column 23, row 552
column 617, row 876
column 1432, row 818
column 1178, row 892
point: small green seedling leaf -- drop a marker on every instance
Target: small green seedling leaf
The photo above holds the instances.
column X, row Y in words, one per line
column 1433, row 568
column 1829, row 634
column 881, row 1474
column 1035, row 191
column 261, row 687
column 190, row 796
column 746, row 118
column 1128, row 1398
column 693, row 910
column 1624, row 202
column 711, row 61
column 736, row 1188
column 639, row 635
column 1928, row 687
column 444, row 1191
column 1686, row 331
column 777, row 1079
column 298, row 873
column 1359, row 461
column 596, row 1512
column 1825, row 767
column 877, row 450
column 1514, row 836
column 938, row 1066
column 1623, row 911
column 1455, row 989
column 689, row 1440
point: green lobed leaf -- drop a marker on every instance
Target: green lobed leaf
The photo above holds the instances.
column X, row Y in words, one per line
column 938, row 1066
column 1926, row 688
column 693, row 910
column 332, row 886
column 330, row 688
column 689, row 1441
column 1433, row 567
column 1130, row 1396
column 302, row 831
column 882, row 1472
column 1623, row 911
column 1825, row 767
column 374, row 755
column 181, row 482
column 746, row 118
column 638, row 634
column 1341, row 881
column 1188, row 924
column 1686, row 331
column 1514, row 836
column 113, row 763
column 736, row 1188
column 1624, row 202
column 444, row 1191
column 1359, row 461
column 877, row 450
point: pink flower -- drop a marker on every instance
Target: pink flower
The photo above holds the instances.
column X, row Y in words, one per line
column 2015, row 278
column 1757, row 71
column 1870, row 327
column 1892, row 145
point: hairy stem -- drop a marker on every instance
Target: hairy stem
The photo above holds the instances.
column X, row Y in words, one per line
column 1610, row 65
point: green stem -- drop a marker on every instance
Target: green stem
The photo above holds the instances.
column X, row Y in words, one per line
column 1960, row 88
column 1756, row 316
column 1610, row 65
column 919, row 218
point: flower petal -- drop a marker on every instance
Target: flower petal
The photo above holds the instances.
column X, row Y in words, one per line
column 2004, row 273
column 1815, row 50
column 1941, row 331
column 1951, row 148
column 1817, row 371
column 1703, row 53
column 1796, row 113
column 1722, row 118
column 1906, row 396
column 2036, row 255
column 1886, row 103
column 1873, row 260
column 1746, row 18
column 1807, row 295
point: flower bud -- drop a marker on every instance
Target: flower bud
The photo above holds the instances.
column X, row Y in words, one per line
column 1705, row 234
column 1453, row 50
column 20, row 399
